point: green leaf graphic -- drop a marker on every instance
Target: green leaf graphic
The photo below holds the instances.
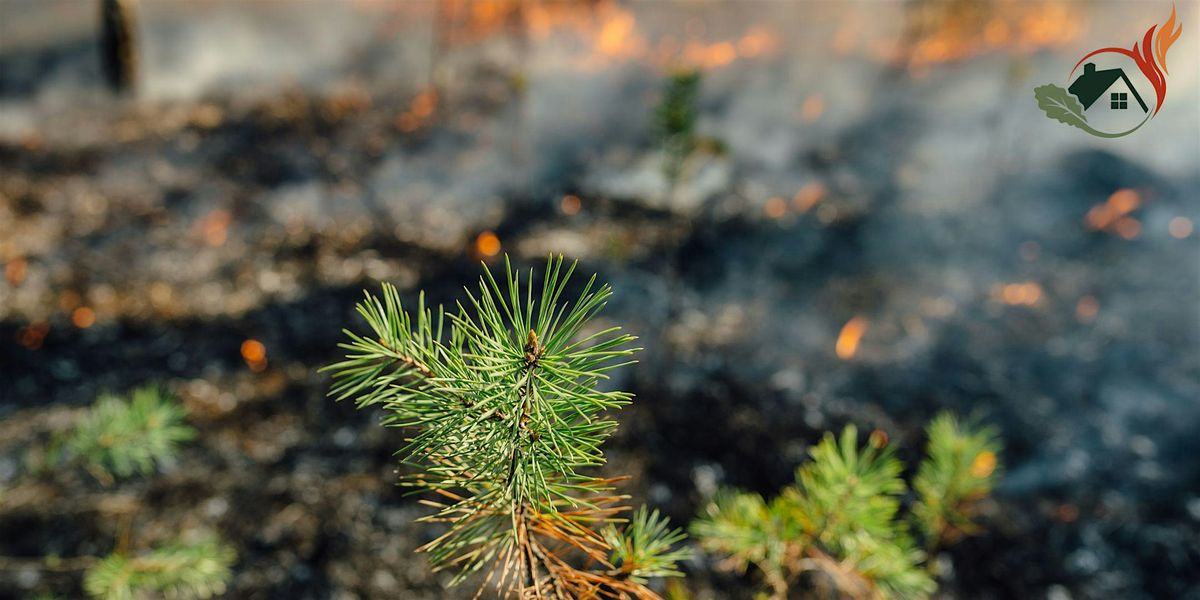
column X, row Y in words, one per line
column 1060, row 105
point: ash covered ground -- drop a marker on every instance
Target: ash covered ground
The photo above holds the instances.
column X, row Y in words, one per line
column 880, row 163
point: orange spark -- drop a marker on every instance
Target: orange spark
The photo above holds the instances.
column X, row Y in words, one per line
column 69, row 300
column 215, row 227
column 1109, row 215
column 83, row 317
column 1086, row 309
column 848, row 339
column 775, row 208
column 487, row 244
column 570, row 204
column 255, row 355
column 424, row 104
column 33, row 335
column 1124, row 201
column 1128, row 228
column 808, row 196
column 1022, row 294
column 15, row 271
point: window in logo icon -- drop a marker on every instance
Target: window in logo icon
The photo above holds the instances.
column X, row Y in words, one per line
column 1119, row 100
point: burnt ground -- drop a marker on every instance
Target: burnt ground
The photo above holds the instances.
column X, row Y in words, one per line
column 189, row 226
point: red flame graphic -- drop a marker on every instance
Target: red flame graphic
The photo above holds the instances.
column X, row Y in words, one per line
column 1144, row 55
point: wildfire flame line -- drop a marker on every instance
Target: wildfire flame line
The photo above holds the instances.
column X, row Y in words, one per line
column 1144, row 55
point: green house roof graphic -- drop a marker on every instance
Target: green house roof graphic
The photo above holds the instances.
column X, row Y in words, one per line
column 1092, row 84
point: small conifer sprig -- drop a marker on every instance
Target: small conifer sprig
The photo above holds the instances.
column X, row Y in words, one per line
column 675, row 119
column 121, row 437
column 960, row 469
column 183, row 569
column 841, row 520
column 501, row 396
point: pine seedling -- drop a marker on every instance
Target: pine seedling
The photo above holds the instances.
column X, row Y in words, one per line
column 645, row 547
column 121, row 437
column 193, row 569
column 959, row 470
column 675, row 121
column 841, row 521
column 503, row 401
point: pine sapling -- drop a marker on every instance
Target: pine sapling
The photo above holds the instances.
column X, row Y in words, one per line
column 118, row 438
column 187, row 568
column 675, row 119
column 503, row 400
column 121, row 437
column 840, row 527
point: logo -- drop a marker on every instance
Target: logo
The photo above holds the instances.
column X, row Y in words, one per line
column 1118, row 90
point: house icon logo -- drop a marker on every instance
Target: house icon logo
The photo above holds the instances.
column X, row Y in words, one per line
column 1109, row 97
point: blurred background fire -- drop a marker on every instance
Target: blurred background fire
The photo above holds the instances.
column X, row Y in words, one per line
column 875, row 222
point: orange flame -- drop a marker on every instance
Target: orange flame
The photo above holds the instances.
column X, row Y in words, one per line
column 958, row 34
column 851, row 335
column 1113, row 215
column 1166, row 36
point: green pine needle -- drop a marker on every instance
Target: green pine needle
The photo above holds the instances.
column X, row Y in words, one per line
column 503, row 401
column 645, row 547
column 180, row 570
column 960, row 468
column 842, row 515
column 121, row 437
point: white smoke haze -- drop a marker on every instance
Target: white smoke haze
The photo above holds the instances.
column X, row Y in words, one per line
column 880, row 161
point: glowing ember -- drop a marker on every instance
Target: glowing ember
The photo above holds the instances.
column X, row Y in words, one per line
column 570, row 204
column 775, row 208
column 1086, row 309
column 255, row 355
column 709, row 56
column 487, row 244
column 1022, row 27
column 15, row 271
column 424, row 104
column 33, row 335
column 1180, row 227
column 215, row 227
column 1019, row 294
column 422, row 107
column 1128, row 228
column 848, row 339
column 1124, row 201
column 69, row 300
column 1114, row 214
column 1066, row 513
column 83, row 317
column 808, row 196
